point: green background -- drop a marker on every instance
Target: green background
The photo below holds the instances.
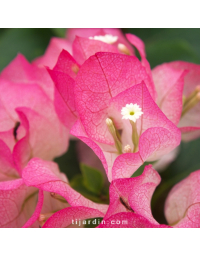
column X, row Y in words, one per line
column 162, row 45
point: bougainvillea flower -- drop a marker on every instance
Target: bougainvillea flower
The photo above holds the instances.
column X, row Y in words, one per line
column 128, row 220
column 43, row 175
column 130, row 201
column 100, row 121
column 175, row 83
column 52, row 52
column 71, row 216
column 99, row 34
column 83, row 43
column 139, row 45
column 178, row 87
column 100, row 78
column 21, row 206
column 29, row 123
column 134, row 194
column 17, row 201
column 87, row 43
column 83, row 48
column 63, row 75
column 182, row 207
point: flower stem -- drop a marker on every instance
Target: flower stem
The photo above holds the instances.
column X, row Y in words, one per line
column 135, row 137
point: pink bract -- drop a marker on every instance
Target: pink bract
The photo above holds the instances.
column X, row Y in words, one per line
column 52, row 52
column 42, row 174
column 83, row 47
column 128, row 220
column 100, row 78
column 130, row 202
column 172, row 81
column 19, row 206
column 169, row 84
column 65, row 217
column 63, row 75
column 45, row 176
column 134, row 194
column 158, row 135
column 182, row 207
column 91, row 32
column 17, row 201
column 28, row 118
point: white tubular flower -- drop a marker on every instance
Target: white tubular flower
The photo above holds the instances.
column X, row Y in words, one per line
column 109, row 39
column 127, row 149
column 123, row 49
column 131, row 112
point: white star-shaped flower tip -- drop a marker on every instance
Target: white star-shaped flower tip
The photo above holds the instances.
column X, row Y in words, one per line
column 131, row 112
column 109, row 39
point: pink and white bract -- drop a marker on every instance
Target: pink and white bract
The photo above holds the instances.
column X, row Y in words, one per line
column 182, row 207
column 90, row 86
column 130, row 202
column 157, row 134
column 30, row 125
column 177, row 84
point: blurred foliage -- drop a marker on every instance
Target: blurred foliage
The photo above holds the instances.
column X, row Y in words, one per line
column 60, row 32
column 141, row 169
column 90, row 183
column 30, row 42
column 93, row 222
column 68, row 163
column 169, row 44
column 162, row 45
column 92, row 179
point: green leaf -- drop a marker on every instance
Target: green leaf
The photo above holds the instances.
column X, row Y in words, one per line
column 30, row 42
column 93, row 223
column 77, row 183
column 170, row 50
column 92, row 179
column 169, row 44
column 144, row 33
column 141, row 169
column 68, row 163
column 189, row 35
column 60, row 32
column 187, row 161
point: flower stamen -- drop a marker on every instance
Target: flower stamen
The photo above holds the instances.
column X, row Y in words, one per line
column 123, row 49
column 58, row 197
column 109, row 39
column 132, row 112
column 190, row 101
column 43, row 217
column 127, row 149
column 113, row 132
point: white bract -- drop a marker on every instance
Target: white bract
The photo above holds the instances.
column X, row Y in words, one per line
column 109, row 39
column 131, row 112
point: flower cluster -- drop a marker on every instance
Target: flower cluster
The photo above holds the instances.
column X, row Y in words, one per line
column 91, row 87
